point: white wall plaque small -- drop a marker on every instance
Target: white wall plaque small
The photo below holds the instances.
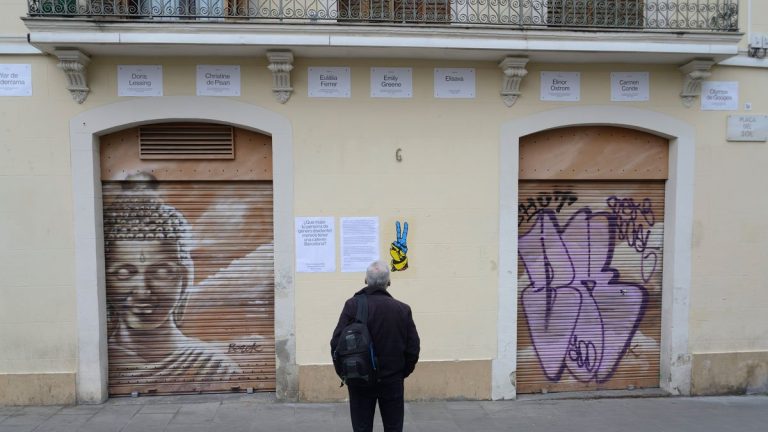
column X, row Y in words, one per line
column 218, row 80
column 329, row 82
column 391, row 82
column 561, row 86
column 455, row 83
column 15, row 80
column 748, row 128
column 630, row 86
column 139, row 80
column 720, row 96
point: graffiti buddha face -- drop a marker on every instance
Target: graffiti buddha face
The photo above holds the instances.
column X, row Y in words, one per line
column 146, row 280
column 149, row 265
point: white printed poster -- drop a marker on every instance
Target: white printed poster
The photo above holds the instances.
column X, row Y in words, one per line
column 359, row 243
column 720, row 95
column 561, row 86
column 630, row 86
column 455, row 83
column 315, row 244
column 391, row 82
column 218, row 80
column 15, row 80
column 329, row 82
column 139, row 80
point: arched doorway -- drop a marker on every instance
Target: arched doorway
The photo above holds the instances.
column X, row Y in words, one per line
column 85, row 130
column 590, row 247
column 189, row 259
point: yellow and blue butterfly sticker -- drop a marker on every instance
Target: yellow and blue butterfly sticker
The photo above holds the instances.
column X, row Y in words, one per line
column 399, row 249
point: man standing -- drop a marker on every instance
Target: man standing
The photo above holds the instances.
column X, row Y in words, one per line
column 396, row 342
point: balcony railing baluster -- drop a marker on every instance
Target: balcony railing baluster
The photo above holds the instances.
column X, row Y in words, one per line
column 617, row 15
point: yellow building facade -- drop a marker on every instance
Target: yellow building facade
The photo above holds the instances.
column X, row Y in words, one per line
column 583, row 204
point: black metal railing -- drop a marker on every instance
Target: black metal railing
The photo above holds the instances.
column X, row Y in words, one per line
column 669, row 15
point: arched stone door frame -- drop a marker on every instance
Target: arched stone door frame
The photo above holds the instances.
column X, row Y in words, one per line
column 85, row 130
column 678, row 222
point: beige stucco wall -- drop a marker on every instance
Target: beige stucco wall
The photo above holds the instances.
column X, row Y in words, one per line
column 446, row 187
column 37, row 295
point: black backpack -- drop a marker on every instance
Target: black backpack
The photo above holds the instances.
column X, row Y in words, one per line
column 354, row 357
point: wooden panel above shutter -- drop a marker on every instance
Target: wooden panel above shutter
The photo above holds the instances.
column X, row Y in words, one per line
column 120, row 157
column 593, row 153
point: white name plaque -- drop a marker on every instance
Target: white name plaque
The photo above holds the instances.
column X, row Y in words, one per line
column 329, row 82
column 561, row 86
column 218, row 80
column 391, row 82
column 15, row 80
column 139, row 80
column 748, row 128
column 720, row 95
column 630, row 86
column 455, row 83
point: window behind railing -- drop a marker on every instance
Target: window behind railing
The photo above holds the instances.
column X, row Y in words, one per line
column 674, row 15
column 599, row 13
column 409, row 11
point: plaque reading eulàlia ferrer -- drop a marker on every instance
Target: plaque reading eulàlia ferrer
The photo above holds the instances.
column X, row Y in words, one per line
column 455, row 83
column 15, row 80
column 139, row 80
column 391, row 82
column 748, row 128
column 218, row 80
column 329, row 82
column 561, row 86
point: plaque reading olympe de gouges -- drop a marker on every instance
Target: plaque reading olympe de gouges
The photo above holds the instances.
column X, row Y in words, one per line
column 329, row 82
column 748, row 128
column 720, row 96
column 139, row 80
column 15, row 80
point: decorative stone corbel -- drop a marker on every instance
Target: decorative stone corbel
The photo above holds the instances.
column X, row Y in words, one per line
column 281, row 64
column 514, row 71
column 74, row 63
column 694, row 72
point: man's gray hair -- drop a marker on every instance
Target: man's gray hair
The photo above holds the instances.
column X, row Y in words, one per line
column 377, row 275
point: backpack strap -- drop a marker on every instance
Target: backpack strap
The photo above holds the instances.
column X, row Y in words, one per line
column 362, row 308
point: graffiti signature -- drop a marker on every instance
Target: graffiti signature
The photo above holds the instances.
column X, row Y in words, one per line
column 532, row 207
column 633, row 225
column 633, row 220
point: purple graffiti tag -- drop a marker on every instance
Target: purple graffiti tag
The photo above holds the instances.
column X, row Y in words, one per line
column 633, row 220
column 581, row 316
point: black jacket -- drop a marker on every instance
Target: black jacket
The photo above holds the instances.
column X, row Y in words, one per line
column 392, row 329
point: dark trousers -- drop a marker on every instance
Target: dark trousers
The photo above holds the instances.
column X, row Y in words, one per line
column 362, row 406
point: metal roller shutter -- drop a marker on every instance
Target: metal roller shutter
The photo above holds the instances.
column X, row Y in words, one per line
column 190, row 286
column 589, row 281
